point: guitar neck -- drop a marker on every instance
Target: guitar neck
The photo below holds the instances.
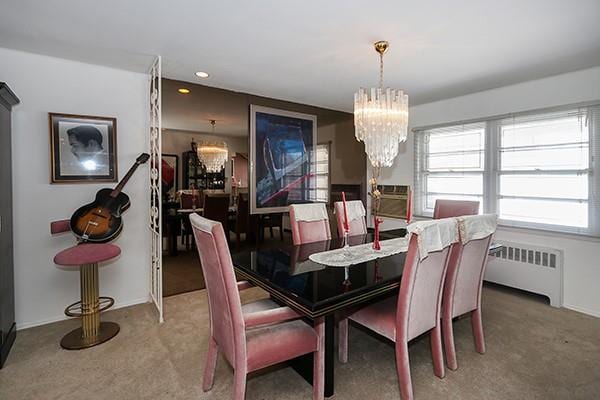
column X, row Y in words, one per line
column 121, row 184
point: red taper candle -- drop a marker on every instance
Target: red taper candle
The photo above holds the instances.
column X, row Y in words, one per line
column 346, row 223
column 409, row 206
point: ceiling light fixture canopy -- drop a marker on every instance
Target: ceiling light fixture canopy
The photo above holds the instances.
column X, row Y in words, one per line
column 381, row 118
column 213, row 154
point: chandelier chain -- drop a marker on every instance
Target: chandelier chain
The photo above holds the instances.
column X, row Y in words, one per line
column 381, row 70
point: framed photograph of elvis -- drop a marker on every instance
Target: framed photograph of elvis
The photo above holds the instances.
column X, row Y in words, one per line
column 83, row 148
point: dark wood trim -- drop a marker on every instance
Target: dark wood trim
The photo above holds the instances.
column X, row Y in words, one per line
column 8, row 330
column 8, row 97
column 7, row 344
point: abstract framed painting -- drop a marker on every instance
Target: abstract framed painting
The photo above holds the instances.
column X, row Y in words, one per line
column 282, row 159
column 82, row 148
column 170, row 175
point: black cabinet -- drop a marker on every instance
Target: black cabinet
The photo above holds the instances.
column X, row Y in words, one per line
column 195, row 175
column 8, row 330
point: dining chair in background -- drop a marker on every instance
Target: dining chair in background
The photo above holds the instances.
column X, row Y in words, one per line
column 216, row 208
column 272, row 220
column 356, row 217
column 241, row 222
column 309, row 223
column 255, row 335
column 188, row 200
column 417, row 307
column 454, row 208
column 462, row 288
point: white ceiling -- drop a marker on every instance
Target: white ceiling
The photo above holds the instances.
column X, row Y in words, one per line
column 318, row 52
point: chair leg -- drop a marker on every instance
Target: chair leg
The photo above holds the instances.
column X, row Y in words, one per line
column 477, row 326
column 448, row 332
column 403, row 370
column 271, row 230
column 319, row 362
column 210, row 365
column 239, row 384
column 343, row 340
column 281, row 232
column 437, row 354
column 237, row 241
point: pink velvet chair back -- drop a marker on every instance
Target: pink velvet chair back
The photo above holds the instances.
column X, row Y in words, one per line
column 225, row 308
column 419, row 300
column 462, row 292
column 357, row 226
column 309, row 231
column 454, row 208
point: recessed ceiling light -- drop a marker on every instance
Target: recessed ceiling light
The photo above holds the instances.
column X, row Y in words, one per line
column 202, row 74
column 184, row 90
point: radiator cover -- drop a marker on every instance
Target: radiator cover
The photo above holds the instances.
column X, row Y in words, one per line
column 528, row 267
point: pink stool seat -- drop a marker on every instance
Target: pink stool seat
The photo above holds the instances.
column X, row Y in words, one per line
column 87, row 253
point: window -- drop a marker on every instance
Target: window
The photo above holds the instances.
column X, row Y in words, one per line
column 534, row 170
column 322, row 173
column 453, row 164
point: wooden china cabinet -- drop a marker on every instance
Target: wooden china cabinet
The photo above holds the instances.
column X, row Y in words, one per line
column 194, row 173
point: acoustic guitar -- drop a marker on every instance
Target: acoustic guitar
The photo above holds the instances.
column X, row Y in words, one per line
column 100, row 221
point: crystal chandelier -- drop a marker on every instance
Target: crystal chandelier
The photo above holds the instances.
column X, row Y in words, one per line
column 381, row 118
column 212, row 155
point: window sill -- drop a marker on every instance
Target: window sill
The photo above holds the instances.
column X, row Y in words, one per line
column 548, row 233
column 537, row 232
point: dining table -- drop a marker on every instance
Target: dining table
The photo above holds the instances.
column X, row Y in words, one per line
column 316, row 291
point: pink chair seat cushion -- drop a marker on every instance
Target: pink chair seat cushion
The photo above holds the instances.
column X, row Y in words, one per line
column 276, row 343
column 379, row 317
column 60, row 226
column 87, row 253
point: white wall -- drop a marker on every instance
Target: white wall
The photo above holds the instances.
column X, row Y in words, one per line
column 178, row 142
column 581, row 255
column 46, row 84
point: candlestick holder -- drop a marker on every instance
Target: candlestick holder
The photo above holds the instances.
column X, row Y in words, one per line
column 376, row 244
column 346, row 245
column 346, row 283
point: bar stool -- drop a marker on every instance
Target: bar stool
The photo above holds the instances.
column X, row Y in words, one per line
column 86, row 256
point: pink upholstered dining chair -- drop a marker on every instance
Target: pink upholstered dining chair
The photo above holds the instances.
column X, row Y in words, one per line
column 462, row 289
column 309, row 223
column 357, row 223
column 416, row 309
column 454, row 208
column 255, row 335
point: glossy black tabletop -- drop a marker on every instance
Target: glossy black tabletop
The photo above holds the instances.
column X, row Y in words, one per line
column 312, row 289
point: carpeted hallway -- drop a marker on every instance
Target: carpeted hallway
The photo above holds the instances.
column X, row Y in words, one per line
column 533, row 352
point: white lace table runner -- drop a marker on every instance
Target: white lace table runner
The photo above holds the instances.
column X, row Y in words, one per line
column 360, row 254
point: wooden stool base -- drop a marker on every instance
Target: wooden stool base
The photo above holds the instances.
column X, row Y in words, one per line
column 74, row 340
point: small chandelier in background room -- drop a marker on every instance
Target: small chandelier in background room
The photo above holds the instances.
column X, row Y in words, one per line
column 213, row 155
column 381, row 123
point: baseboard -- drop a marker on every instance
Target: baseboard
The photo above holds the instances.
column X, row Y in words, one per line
column 63, row 317
column 593, row 313
column 6, row 346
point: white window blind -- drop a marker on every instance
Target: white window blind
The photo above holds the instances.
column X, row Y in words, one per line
column 537, row 170
column 451, row 164
column 322, row 173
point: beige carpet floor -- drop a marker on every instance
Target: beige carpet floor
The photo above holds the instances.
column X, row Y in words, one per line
column 534, row 352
